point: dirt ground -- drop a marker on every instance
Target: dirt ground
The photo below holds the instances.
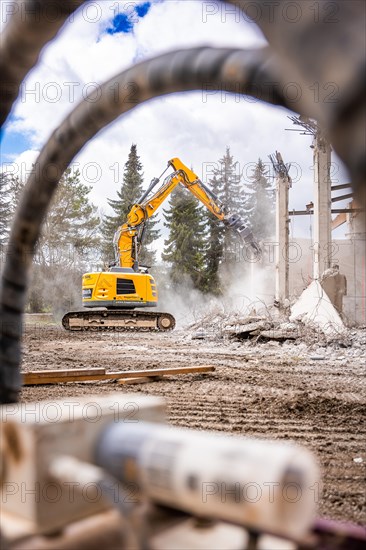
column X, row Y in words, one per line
column 313, row 395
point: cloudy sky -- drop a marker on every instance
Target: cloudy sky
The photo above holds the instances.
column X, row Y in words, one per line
column 106, row 37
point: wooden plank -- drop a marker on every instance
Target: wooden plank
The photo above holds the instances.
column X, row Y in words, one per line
column 32, row 378
column 160, row 372
column 342, row 186
column 342, row 197
column 141, row 380
column 59, row 373
column 340, row 219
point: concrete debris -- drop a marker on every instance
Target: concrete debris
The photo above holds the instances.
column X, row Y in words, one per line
column 251, row 328
column 334, row 285
column 315, row 308
column 265, row 328
column 313, row 322
column 280, row 334
column 245, row 327
column 200, row 334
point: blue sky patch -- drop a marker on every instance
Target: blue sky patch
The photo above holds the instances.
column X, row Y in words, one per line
column 142, row 9
column 120, row 23
column 12, row 143
column 124, row 22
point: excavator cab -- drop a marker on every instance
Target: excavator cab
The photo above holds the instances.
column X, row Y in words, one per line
column 112, row 297
column 119, row 288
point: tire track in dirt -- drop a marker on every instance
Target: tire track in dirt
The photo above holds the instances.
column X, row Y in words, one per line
column 265, row 391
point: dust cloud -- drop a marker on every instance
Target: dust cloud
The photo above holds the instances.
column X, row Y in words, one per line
column 248, row 291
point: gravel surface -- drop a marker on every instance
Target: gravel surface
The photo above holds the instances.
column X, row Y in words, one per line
column 312, row 394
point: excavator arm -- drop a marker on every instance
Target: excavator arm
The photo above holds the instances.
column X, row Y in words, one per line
column 128, row 237
column 213, row 203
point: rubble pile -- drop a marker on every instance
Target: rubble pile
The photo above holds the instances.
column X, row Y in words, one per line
column 311, row 318
column 315, row 308
column 246, row 327
column 272, row 325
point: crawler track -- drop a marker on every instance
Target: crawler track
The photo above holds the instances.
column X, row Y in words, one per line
column 119, row 320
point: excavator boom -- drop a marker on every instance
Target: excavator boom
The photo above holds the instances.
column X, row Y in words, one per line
column 126, row 247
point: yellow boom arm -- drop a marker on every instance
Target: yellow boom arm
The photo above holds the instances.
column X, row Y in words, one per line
column 128, row 236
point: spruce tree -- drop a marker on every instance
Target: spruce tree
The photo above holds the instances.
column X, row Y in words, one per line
column 130, row 192
column 261, row 202
column 223, row 244
column 214, row 246
column 184, row 248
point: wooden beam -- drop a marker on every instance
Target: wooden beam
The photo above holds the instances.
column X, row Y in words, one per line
column 341, row 186
column 333, row 211
column 342, row 197
column 61, row 373
column 33, row 378
column 141, row 380
column 74, row 375
column 340, row 219
column 162, row 372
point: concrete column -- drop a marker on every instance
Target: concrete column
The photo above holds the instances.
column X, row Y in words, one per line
column 354, row 267
column 282, row 238
column 322, row 205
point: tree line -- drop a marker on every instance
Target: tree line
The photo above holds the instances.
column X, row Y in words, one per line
column 76, row 237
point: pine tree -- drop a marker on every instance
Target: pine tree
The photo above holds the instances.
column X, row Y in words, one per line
column 70, row 231
column 261, row 203
column 10, row 191
column 67, row 247
column 5, row 209
column 184, row 249
column 130, row 192
column 16, row 186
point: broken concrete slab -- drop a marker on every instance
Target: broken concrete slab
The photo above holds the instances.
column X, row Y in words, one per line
column 315, row 308
column 280, row 334
column 200, row 334
column 249, row 328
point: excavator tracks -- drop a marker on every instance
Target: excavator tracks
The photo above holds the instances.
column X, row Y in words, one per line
column 118, row 320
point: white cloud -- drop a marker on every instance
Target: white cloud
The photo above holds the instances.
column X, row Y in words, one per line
column 22, row 165
column 179, row 125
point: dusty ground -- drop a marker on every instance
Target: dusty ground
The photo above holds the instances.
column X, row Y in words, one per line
column 314, row 396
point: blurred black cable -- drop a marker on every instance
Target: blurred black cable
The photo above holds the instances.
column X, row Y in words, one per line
column 320, row 54
column 31, row 25
column 208, row 69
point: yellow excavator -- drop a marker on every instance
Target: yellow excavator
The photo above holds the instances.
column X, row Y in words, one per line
column 126, row 285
